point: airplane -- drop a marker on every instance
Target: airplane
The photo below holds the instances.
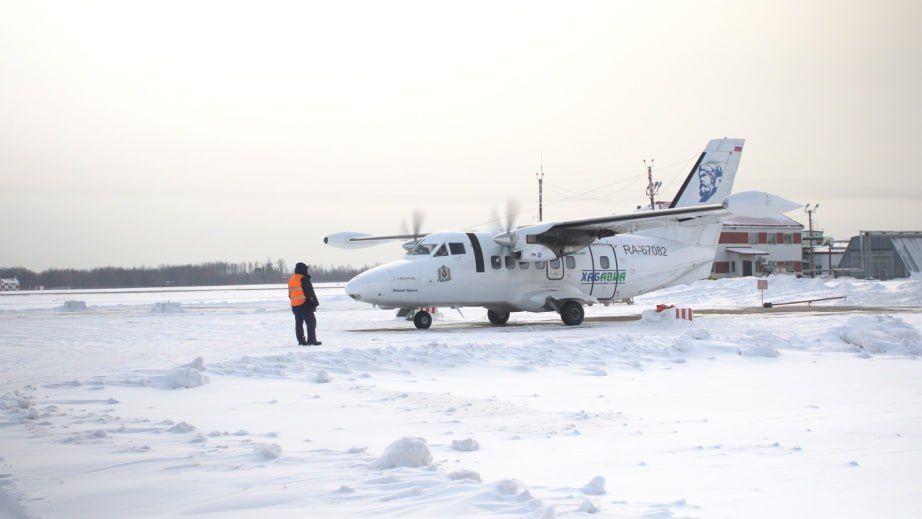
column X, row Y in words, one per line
column 562, row 266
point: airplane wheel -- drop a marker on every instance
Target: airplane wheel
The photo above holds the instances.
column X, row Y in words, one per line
column 422, row 320
column 571, row 313
column 497, row 317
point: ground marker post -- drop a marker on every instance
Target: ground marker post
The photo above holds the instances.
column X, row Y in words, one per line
column 762, row 286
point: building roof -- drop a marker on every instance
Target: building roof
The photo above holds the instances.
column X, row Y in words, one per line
column 747, row 251
column 910, row 250
column 775, row 221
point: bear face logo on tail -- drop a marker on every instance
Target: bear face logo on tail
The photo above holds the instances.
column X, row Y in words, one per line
column 710, row 175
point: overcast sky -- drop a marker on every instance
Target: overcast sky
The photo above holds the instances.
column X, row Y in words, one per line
column 141, row 133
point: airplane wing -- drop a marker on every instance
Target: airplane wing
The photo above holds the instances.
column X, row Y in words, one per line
column 571, row 235
column 357, row 240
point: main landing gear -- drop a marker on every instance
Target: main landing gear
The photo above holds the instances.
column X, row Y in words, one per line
column 498, row 318
column 422, row 320
column 571, row 313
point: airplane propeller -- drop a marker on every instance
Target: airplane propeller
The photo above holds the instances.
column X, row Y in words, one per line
column 508, row 237
column 417, row 225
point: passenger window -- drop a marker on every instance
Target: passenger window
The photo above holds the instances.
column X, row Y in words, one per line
column 510, row 262
column 539, row 264
column 571, row 262
column 555, row 264
column 443, row 251
column 496, row 261
column 523, row 265
column 456, row 248
column 603, row 262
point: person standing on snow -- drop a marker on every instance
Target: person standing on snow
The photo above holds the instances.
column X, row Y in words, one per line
column 303, row 303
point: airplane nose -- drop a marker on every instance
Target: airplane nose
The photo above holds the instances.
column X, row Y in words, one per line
column 356, row 287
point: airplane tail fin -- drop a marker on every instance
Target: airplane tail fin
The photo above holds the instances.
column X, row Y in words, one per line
column 711, row 178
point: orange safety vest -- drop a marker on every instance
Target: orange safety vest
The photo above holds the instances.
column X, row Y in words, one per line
column 295, row 292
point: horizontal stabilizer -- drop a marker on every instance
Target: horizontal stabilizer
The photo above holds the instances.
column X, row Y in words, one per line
column 756, row 204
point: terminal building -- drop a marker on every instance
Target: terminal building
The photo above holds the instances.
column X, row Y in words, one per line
column 759, row 246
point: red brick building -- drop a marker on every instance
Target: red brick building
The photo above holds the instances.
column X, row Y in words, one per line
column 757, row 246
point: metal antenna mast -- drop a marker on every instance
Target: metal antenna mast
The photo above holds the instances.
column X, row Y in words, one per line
column 540, row 176
column 652, row 187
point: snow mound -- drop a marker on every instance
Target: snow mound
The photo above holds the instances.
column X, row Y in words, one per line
column 73, row 306
column 323, row 376
column 182, row 378
column 508, row 487
column 596, row 487
column 406, row 452
column 588, row 507
column 181, row 427
column 882, row 334
column 166, row 308
column 760, row 351
column 465, row 445
column 270, row 451
column 665, row 318
column 198, row 364
column 464, row 474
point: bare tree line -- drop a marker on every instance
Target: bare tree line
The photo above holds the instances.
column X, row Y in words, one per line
column 203, row 274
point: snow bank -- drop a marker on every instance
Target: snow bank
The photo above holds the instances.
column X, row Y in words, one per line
column 323, row 376
column 736, row 292
column 405, row 452
column 881, row 334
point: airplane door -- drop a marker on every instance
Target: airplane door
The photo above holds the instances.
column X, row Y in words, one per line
column 605, row 273
column 555, row 269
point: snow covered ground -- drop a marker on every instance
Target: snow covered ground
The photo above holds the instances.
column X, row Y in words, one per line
column 155, row 403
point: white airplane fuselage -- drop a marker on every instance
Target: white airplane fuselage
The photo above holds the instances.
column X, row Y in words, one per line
column 487, row 275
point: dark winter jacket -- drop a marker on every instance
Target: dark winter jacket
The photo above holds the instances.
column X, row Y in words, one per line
column 312, row 302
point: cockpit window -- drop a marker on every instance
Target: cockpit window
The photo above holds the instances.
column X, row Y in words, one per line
column 443, row 251
column 456, row 248
column 422, row 249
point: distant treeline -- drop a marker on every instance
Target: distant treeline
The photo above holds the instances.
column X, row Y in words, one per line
column 216, row 273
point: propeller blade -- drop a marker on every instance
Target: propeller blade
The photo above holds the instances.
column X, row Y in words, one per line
column 512, row 210
column 418, row 217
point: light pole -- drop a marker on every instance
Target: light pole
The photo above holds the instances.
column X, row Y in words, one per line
column 540, row 175
column 652, row 187
column 812, row 241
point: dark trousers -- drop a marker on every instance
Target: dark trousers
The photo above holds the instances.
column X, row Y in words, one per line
column 305, row 313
